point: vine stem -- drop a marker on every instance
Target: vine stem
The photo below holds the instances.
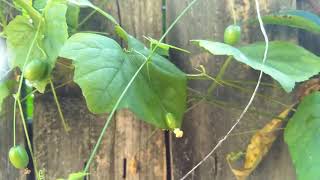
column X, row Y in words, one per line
column 14, row 123
column 28, row 139
column 250, row 101
column 17, row 98
column 220, row 75
column 34, row 14
column 96, row 147
column 108, row 16
column 65, row 125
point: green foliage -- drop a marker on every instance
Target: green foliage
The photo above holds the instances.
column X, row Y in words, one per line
column 39, row 4
column 21, row 32
column 72, row 18
column 287, row 63
column 302, row 137
column 81, row 3
column 103, row 69
column 5, row 87
column 163, row 48
column 295, row 18
column 35, row 70
column 77, row 176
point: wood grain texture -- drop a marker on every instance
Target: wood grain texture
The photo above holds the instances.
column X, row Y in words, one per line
column 207, row 122
column 143, row 152
column 59, row 153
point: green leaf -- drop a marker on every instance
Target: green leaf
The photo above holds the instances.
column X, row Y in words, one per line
column 40, row 4
column 103, row 69
column 55, row 35
column 163, row 48
column 295, row 18
column 56, row 30
column 73, row 17
column 81, row 3
column 303, row 138
column 21, row 32
column 287, row 63
column 77, row 176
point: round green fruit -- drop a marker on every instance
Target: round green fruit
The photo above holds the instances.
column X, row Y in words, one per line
column 18, row 157
column 232, row 34
column 35, row 70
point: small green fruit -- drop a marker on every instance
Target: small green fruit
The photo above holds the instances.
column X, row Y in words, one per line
column 232, row 34
column 35, row 70
column 18, row 157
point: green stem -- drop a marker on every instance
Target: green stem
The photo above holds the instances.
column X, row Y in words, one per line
column 93, row 153
column 87, row 17
column 65, row 125
column 11, row 5
column 14, row 123
column 27, row 137
column 111, row 116
column 271, row 85
column 200, row 76
column 108, row 16
column 258, row 94
column 17, row 98
column 34, row 14
column 220, row 75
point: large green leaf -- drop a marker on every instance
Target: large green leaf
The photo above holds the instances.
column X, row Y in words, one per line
column 56, row 28
column 287, row 63
column 103, row 69
column 55, row 35
column 21, row 32
column 303, row 138
column 295, row 18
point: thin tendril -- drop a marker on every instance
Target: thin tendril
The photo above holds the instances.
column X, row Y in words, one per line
column 250, row 101
column 18, row 94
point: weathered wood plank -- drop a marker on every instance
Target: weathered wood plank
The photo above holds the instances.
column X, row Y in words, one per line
column 7, row 171
column 59, row 153
column 205, row 124
column 143, row 152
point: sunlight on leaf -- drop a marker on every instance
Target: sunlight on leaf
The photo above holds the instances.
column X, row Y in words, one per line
column 103, row 69
column 295, row 18
column 287, row 63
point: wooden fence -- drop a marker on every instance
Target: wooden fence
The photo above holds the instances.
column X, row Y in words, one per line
column 134, row 150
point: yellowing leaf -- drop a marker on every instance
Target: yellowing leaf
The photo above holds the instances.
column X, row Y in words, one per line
column 259, row 146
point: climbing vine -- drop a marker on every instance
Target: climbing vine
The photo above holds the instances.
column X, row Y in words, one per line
column 141, row 77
